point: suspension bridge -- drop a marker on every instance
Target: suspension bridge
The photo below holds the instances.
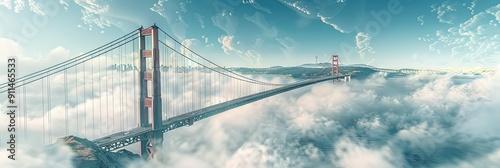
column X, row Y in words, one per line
column 133, row 90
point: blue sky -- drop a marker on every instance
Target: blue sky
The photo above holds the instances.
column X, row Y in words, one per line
column 262, row 33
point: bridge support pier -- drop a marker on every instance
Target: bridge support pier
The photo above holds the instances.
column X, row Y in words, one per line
column 347, row 78
column 149, row 77
column 335, row 67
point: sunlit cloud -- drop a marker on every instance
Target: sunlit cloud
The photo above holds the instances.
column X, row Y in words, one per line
column 363, row 44
column 474, row 41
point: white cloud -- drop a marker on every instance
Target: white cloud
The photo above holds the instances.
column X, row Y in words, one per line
column 363, row 44
column 227, row 44
column 93, row 6
column 28, row 63
column 36, row 7
column 189, row 43
column 344, row 17
column 158, row 8
column 257, row 6
column 421, row 19
column 299, row 6
column 33, row 155
column 495, row 11
column 19, row 5
column 205, row 39
column 59, row 53
column 94, row 13
column 65, row 4
column 326, row 21
column 396, row 122
column 7, row 4
column 472, row 6
column 448, row 11
column 248, row 1
column 474, row 41
column 305, row 127
column 249, row 55
column 349, row 154
column 39, row 8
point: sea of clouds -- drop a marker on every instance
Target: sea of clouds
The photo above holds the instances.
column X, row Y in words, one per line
column 419, row 121
column 423, row 120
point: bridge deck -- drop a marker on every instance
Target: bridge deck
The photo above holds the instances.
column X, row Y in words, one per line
column 125, row 138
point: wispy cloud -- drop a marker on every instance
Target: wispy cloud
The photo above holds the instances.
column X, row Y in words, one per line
column 449, row 11
column 299, row 6
column 93, row 13
column 229, row 47
column 474, row 41
column 363, row 44
column 421, row 19
column 227, row 44
column 40, row 8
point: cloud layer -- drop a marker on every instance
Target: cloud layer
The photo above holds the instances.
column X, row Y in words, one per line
column 422, row 120
column 419, row 121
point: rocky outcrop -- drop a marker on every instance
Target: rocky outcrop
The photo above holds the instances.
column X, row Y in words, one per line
column 89, row 155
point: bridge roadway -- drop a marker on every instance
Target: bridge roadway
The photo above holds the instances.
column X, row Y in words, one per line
column 125, row 138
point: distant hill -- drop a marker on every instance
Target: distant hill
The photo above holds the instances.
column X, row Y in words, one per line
column 327, row 64
column 319, row 65
column 276, row 67
column 360, row 65
column 88, row 154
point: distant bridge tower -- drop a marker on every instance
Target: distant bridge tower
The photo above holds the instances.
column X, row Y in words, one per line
column 335, row 66
column 150, row 80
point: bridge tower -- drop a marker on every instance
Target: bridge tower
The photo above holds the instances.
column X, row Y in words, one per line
column 335, row 66
column 149, row 79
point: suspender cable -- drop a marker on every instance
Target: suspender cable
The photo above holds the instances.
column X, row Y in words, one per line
column 215, row 70
column 100, row 97
column 176, row 90
column 19, row 99
column 119, row 71
column 135, row 81
column 49, row 108
column 192, row 86
column 77, row 102
column 58, row 68
column 43, row 112
column 241, row 77
column 75, row 59
column 107, row 94
column 25, row 113
column 120, row 75
column 165, row 81
column 184, row 81
column 126, row 87
column 92, row 96
column 113, row 91
column 84, row 101
column 66, row 122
